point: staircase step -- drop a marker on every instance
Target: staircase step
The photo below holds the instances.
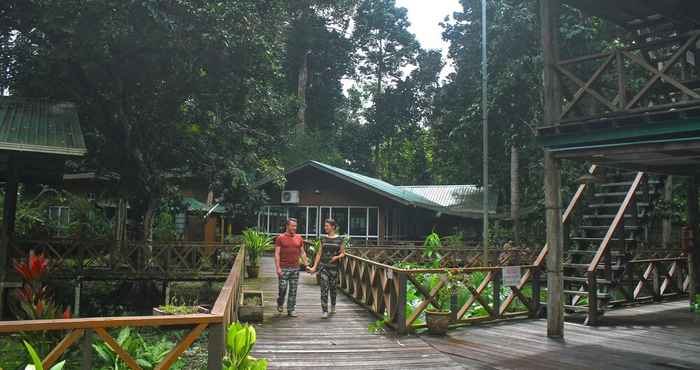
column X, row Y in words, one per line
column 584, row 266
column 585, row 293
column 590, row 227
column 607, row 216
column 592, row 239
column 584, row 280
column 620, row 194
column 615, row 205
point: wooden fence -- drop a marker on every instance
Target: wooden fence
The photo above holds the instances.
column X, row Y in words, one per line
column 627, row 80
column 224, row 312
column 109, row 259
column 383, row 289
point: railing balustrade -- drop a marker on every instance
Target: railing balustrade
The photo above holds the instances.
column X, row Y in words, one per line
column 224, row 312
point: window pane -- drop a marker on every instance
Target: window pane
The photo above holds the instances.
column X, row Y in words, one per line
column 278, row 217
column 358, row 221
column 373, row 218
column 340, row 215
column 325, row 214
column 300, row 214
column 313, row 221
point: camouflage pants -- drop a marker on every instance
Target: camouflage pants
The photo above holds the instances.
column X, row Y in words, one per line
column 290, row 276
column 329, row 282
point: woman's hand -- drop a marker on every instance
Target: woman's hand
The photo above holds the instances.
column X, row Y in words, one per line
column 310, row 270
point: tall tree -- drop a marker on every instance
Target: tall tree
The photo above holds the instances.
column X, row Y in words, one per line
column 160, row 85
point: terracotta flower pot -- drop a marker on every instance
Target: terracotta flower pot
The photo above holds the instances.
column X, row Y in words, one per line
column 438, row 322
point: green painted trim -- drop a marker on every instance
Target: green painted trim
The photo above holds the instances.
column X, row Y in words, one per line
column 617, row 145
column 656, row 129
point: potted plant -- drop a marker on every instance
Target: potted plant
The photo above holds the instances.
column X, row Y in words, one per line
column 437, row 318
column 256, row 243
column 251, row 307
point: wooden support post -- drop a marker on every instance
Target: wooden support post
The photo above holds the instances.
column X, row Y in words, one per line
column 693, row 252
column 216, row 346
column 76, row 298
column 656, row 281
column 549, row 15
column 497, row 293
column 454, row 306
column 401, row 304
column 555, row 283
column 86, row 350
column 592, row 298
column 166, row 292
column 536, row 285
column 9, row 210
column 666, row 225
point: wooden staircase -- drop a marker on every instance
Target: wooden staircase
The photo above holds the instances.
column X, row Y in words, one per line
column 603, row 237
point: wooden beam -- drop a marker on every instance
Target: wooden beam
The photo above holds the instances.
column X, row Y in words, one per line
column 555, row 243
column 9, row 213
column 694, row 252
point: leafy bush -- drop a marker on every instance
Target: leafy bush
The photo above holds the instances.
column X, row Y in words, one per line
column 148, row 356
column 256, row 243
column 36, row 360
column 34, row 300
column 164, row 229
column 240, row 339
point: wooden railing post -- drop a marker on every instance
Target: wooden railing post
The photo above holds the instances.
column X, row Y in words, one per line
column 536, row 289
column 497, row 292
column 592, row 298
column 401, row 303
column 216, row 346
column 656, row 280
column 86, row 350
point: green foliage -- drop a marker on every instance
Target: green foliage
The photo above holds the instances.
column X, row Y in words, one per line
column 146, row 355
column 431, row 249
column 36, row 360
column 164, row 228
column 178, row 309
column 378, row 327
column 256, row 243
column 240, row 339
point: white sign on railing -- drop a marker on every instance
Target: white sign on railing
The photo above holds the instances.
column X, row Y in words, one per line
column 511, row 275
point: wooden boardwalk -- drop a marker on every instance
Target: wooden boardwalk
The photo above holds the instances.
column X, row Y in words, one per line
column 661, row 336
column 342, row 341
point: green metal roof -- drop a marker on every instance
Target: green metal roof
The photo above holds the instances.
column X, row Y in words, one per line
column 404, row 195
column 32, row 125
column 197, row 206
column 459, row 198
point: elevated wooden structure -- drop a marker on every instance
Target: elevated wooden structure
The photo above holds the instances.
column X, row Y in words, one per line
column 635, row 106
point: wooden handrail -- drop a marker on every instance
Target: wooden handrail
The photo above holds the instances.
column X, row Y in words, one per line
column 224, row 310
column 617, row 222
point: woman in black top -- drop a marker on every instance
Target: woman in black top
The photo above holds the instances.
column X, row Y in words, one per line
column 331, row 251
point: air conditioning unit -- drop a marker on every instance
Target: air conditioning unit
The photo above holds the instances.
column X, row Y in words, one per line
column 290, row 196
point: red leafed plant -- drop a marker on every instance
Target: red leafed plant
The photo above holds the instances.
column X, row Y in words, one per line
column 34, row 301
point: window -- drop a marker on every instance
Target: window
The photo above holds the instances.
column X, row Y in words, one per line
column 300, row 214
column 60, row 215
column 340, row 215
column 313, row 220
column 358, row 222
column 373, row 223
column 278, row 219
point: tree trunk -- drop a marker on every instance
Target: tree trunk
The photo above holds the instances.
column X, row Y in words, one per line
column 302, row 82
column 515, row 192
column 148, row 219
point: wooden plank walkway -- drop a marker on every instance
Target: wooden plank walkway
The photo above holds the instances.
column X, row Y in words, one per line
column 653, row 337
column 342, row 341
column 661, row 337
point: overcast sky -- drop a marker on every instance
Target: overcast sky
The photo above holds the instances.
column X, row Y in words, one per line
column 425, row 17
